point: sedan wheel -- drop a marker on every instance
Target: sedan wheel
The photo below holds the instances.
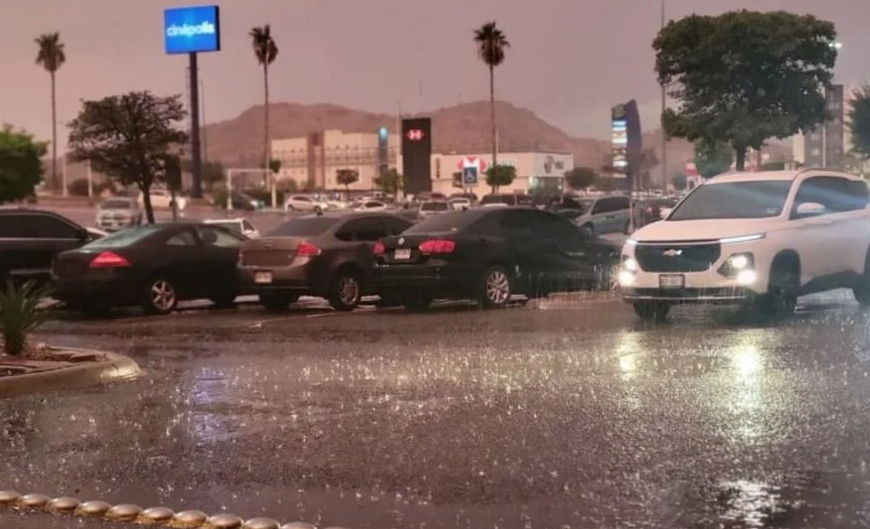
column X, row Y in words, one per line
column 345, row 292
column 161, row 297
column 496, row 289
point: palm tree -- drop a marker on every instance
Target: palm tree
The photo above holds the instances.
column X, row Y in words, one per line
column 51, row 56
column 265, row 50
column 491, row 45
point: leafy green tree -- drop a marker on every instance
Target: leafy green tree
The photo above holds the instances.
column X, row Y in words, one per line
column 20, row 164
column 346, row 177
column 745, row 76
column 390, row 182
column 491, row 46
column 458, row 180
column 266, row 51
column 129, row 137
column 500, row 175
column 51, row 56
column 712, row 158
column 581, row 177
column 859, row 122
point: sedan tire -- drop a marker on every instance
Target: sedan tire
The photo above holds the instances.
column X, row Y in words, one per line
column 160, row 296
column 496, row 288
column 345, row 291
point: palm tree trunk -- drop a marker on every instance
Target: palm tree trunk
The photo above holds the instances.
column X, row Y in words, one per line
column 267, row 150
column 492, row 118
column 54, row 182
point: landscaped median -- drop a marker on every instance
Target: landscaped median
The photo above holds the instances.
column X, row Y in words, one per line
column 45, row 368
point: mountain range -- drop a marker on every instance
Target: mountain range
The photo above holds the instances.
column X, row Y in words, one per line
column 463, row 128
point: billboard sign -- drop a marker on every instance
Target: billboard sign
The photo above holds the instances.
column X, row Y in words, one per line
column 626, row 139
column 417, row 154
column 383, row 150
column 193, row 29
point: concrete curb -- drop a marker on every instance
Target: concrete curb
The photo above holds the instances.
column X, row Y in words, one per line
column 114, row 368
column 153, row 516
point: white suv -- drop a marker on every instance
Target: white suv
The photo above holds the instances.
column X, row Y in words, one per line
column 762, row 239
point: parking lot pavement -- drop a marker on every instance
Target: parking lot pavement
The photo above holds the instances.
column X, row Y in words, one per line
column 564, row 412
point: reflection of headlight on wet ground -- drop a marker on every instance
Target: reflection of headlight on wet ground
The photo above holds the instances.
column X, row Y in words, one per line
column 627, row 364
column 747, row 361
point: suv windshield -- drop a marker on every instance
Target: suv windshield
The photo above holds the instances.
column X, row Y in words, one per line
column 497, row 199
column 124, row 238
column 304, row 227
column 734, row 200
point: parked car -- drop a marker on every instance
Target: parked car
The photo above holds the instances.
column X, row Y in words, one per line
column 488, row 255
column 116, row 213
column 29, row 241
column 162, row 199
column 459, row 203
column 367, row 205
column 759, row 240
column 305, row 203
column 655, row 209
column 153, row 266
column 328, row 255
column 433, row 207
column 244, row 202
column 605, row 215
column 238, row 225
column 508, row 199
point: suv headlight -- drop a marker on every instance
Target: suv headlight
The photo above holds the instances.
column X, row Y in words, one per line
column 740, row 266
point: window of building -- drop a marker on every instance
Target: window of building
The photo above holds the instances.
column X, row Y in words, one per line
column 814, row 136
column 816, row 151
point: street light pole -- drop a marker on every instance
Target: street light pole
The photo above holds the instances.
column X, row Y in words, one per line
column 662, row 121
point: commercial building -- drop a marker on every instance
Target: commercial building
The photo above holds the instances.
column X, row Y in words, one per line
column 312, row 161
column 828, row 144
column 537, row 172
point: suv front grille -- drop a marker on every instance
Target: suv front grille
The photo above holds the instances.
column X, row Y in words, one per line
column 677, row 257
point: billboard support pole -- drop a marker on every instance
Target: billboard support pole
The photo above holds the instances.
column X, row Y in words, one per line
column 196, row 153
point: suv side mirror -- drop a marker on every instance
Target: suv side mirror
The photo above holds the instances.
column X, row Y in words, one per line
column 809, row 209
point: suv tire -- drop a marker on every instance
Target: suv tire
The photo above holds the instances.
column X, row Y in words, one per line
column 781, row 298
column 861, row 290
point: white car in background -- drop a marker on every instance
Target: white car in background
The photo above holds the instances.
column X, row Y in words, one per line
column 305, row 203
column 368, row 205
column 162, row 199
column 458, row 204
column 238, row 225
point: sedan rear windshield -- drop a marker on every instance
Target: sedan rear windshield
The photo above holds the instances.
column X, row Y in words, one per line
column 308, row 227
column 446, row 223
column 117, row 204
column 435, row 206
column 124, row 238
column 497, row 199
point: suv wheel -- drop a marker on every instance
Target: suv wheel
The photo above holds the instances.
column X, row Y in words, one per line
column 160, row 296
column 277, row 301
column 345, row 291
column 861, row 290
column 496, row 288
column 781, row 298
column 652, row 311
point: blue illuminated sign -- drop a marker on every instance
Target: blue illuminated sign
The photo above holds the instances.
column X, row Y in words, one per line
column 192, row 29
column 469, row 176
column 382, row 132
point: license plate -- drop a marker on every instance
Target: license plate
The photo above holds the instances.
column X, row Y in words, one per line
column 263, row 277
column 672, row 280
column 402, row 254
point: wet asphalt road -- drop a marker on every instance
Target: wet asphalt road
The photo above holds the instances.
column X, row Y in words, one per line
column 567, row 412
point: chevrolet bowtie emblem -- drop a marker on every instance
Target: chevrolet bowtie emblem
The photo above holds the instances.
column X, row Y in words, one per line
column 672, row 252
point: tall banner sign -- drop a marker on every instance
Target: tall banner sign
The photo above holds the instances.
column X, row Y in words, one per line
column 626, row 141
column 417, row 154
column 383, row 150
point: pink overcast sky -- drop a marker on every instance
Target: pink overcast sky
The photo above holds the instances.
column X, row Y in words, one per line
column 570, row 59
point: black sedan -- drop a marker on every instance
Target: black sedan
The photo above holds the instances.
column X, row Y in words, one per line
column 488, row 255
column 153, row 266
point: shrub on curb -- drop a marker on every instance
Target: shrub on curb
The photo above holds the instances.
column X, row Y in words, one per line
column 20, row 314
